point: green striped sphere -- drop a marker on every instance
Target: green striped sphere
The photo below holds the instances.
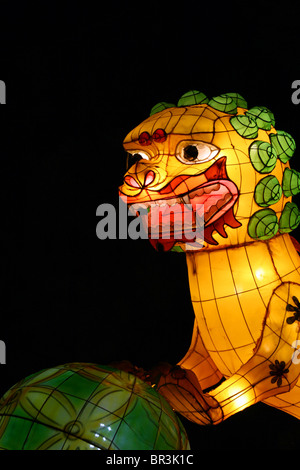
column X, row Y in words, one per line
column 87, row 407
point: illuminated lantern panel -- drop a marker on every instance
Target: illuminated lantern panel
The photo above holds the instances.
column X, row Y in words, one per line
column 244, row 270
column 87, row 407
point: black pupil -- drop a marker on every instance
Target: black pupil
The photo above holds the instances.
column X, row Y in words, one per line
column 132, row 159
column 190, row 153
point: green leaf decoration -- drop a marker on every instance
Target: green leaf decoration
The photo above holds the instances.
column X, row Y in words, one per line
column 224, row 103
column 264, row 118
column 284, row 145
column 240, row 101
column 160, row 107
column 245, row 126
column 263, row 225
column 268, row 191
column 263, row 156
column 290, row 182
column 290, row 218
column 192, row 97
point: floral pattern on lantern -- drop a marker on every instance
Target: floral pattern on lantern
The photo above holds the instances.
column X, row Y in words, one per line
column 87, row 407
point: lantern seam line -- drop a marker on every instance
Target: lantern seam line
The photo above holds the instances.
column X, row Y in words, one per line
column 218, row 310
column 205, row 320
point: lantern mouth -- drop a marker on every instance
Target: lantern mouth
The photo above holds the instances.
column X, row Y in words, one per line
column 209, row 196
column 216, row 197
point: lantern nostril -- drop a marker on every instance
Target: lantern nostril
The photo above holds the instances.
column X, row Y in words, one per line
column 131, row 182
column 149, row 178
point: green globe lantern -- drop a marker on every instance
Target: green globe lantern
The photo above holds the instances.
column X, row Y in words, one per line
column 83, row 406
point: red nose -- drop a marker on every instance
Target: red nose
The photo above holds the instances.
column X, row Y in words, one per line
column 134, row 183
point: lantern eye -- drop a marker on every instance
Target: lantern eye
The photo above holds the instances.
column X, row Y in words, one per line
column 190, row 153
column 196, row 152
column 134, row 157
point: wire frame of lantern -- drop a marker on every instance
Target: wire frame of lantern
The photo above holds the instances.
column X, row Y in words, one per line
column 83, row 406
column 244, row 273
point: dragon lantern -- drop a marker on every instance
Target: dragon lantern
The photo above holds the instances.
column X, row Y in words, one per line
column 244, row 273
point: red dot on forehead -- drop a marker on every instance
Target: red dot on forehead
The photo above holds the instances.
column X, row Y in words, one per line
column 144, row 138
column 159, row 135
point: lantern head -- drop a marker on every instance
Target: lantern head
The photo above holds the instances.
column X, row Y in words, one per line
column 220, row 160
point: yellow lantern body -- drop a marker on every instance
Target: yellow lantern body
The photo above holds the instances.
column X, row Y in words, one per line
column 244, row 272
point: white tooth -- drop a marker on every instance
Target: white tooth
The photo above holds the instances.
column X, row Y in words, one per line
column 186, row 199
column 161, row 202
column 173, row 201
column 133, row 208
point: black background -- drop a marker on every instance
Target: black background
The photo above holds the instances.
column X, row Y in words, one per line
column 78, row 79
